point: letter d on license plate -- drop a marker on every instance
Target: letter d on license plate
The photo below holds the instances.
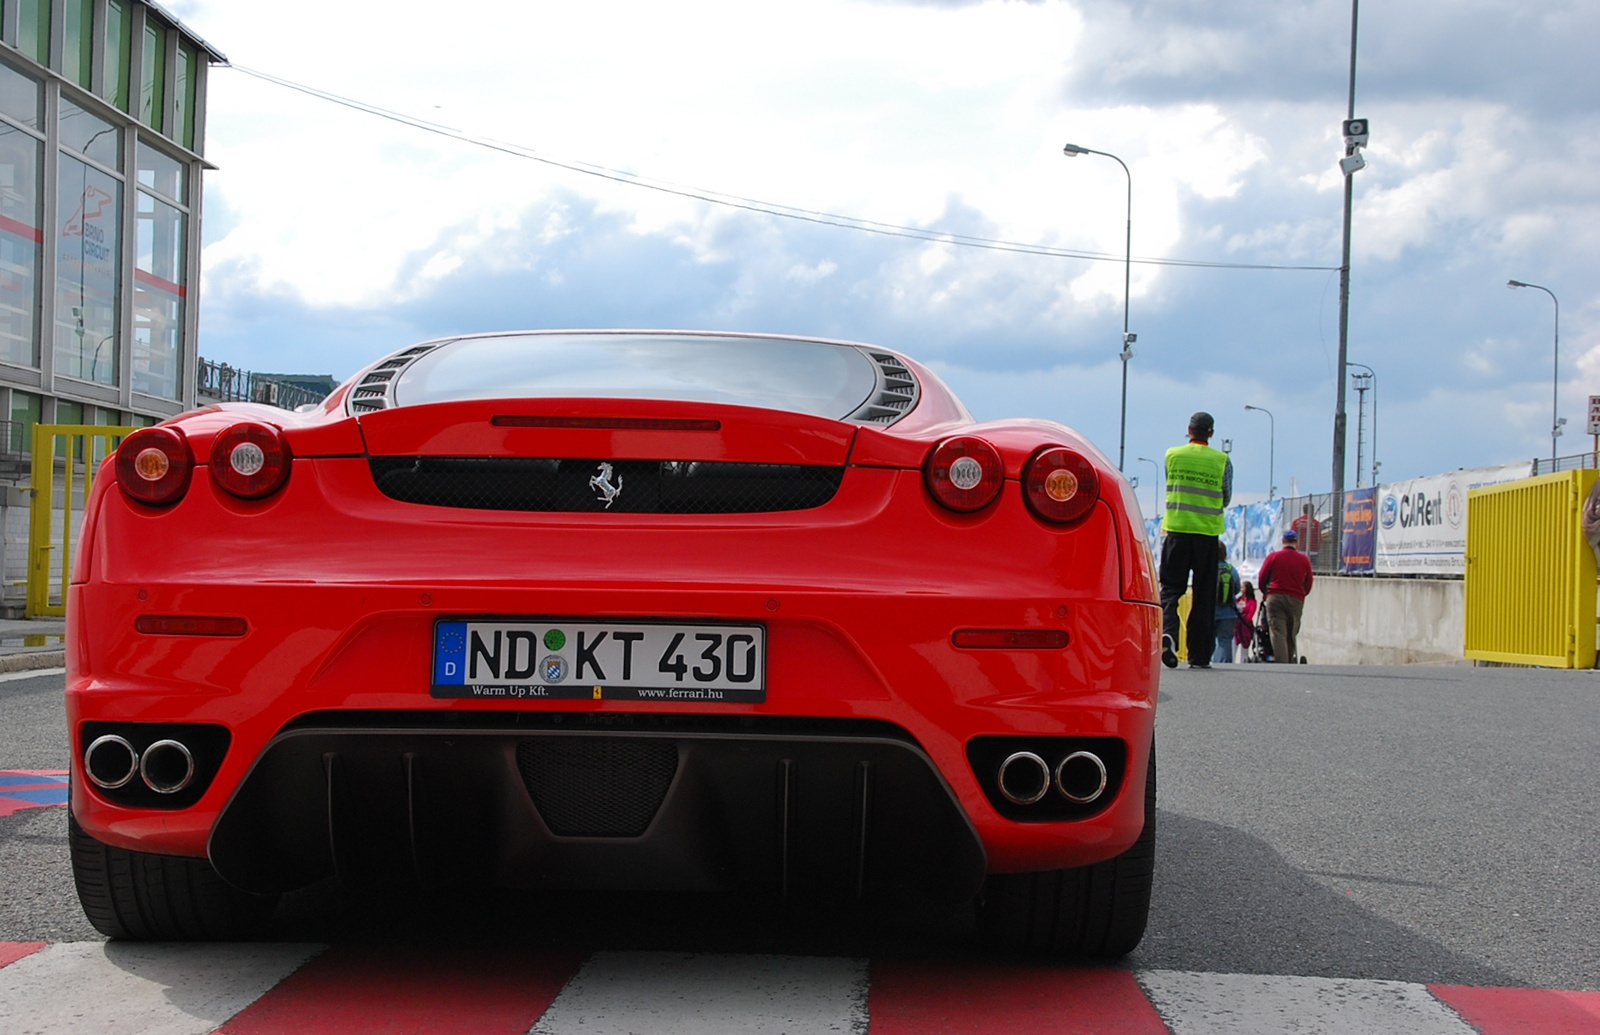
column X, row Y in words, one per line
column 568, row 658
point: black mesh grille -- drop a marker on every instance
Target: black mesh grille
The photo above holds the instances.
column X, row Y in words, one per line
column 597, row 786
column 643, row 486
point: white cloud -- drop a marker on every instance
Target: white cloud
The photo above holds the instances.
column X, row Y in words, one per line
column 953, row 117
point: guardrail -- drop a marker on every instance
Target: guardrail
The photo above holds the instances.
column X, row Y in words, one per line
column 230, row 384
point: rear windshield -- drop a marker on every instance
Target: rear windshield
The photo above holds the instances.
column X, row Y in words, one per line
column 811, row 377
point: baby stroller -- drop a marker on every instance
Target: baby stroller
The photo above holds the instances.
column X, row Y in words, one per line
column 1261, row 638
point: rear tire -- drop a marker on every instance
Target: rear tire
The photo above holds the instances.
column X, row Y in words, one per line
column 1099, row 910
column 141, row 897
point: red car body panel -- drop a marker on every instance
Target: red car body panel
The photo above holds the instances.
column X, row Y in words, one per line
column 340, row 586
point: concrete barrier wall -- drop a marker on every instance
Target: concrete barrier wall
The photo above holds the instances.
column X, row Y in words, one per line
column 1372, row 621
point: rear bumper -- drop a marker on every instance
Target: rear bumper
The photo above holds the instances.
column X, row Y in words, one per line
column 851, row 808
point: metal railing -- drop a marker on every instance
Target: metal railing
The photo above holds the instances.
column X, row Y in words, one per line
column 1576, row 462
column 222, row 382
column 14, row 439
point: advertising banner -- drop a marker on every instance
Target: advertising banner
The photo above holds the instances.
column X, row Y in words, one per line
column 1359, row 554
column 1422, row 523
column 1259, row 525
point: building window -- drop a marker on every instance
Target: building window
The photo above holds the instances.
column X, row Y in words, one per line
column 118, row 52
column 21, row 236
column 87, row 268
column 20, row 97
column 24, row 415
column 33, row 29
column 159, row 291
column 162, row 174
column 77, row 48
column 153, row 77
column 185, row 83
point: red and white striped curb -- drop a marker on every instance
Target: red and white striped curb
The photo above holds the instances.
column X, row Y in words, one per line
column 112, row 988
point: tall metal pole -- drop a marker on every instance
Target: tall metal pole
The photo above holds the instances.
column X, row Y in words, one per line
column 1072, row 151
column 1374, row 376
column 1555, row 372
column 1362, row 381
column 1344, row 312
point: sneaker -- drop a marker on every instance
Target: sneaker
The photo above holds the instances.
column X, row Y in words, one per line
column 1169, row 652
column 1203, row 664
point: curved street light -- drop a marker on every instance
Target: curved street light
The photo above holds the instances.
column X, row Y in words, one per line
column 1072, row 151
column 1159, row 507
column 1555, row 373
column 1372, row 374
column 1272, row 435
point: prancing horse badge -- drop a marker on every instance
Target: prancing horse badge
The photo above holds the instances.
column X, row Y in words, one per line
column 603, row 486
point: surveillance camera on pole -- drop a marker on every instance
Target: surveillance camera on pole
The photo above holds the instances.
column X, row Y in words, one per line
column 1355, row 138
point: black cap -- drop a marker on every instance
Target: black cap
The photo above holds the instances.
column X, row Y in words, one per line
column 1202, row 425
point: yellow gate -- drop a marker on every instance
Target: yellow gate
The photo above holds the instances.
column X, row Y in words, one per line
column 1530, row 584
column 82, row 447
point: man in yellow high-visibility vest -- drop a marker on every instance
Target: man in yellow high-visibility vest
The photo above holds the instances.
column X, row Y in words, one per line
column 1199, row 487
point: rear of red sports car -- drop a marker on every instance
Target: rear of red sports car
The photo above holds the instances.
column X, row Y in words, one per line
column 616, row 610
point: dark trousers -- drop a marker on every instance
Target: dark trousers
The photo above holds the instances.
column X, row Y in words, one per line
column 1283, row 619
column 1183, row 554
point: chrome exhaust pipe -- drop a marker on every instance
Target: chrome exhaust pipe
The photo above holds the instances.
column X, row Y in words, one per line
column 1024, row 778
column 1081, row 777
column 167, row 767
column 110, row 762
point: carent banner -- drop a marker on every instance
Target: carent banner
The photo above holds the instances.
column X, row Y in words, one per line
column 1422, row 523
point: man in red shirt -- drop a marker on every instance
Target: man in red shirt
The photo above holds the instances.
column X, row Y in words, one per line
column 1285, row 578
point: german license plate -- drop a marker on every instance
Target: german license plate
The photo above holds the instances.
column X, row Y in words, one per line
column 580, row 658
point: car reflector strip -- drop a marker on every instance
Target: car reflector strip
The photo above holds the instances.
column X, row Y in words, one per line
column 190, row 625
column 1013, row 639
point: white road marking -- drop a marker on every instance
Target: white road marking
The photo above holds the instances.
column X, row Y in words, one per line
column 623, row 993
column 112, row 988
column 1247, row 1004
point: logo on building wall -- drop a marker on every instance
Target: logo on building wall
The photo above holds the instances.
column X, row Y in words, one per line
column 94, row 205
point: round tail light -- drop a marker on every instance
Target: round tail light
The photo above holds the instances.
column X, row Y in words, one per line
column 1060, row 485
column 250, row 460
column 964, row 474
column 154, row 465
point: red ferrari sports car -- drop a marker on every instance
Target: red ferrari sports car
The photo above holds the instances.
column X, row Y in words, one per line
column 616, row 609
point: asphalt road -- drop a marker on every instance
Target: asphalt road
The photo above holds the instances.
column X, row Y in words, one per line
column 1412, row 823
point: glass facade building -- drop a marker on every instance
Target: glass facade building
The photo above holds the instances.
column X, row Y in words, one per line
column 102, row 113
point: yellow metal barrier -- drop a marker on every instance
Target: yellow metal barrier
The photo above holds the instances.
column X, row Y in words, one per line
column 50, row 563
column 1530, row 583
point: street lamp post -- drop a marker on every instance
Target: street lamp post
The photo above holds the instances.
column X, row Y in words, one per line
column 1374, row 378
column 1272, row 435
column 1160, row 508
column 1555, row 373
column 1072, row 151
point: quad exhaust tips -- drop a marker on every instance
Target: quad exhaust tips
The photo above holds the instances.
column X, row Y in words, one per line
column 111, row 762
column 1025, row 778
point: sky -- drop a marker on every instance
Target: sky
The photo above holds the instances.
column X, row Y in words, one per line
column 390, row 173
